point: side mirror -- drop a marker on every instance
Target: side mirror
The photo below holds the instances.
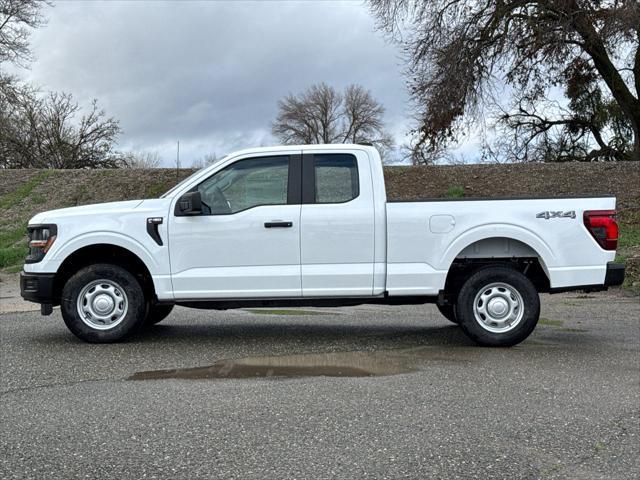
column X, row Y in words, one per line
column 189, row 204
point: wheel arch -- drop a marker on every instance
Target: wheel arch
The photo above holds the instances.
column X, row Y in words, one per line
column 104, row 253
column 499, row 231
column 111, row 238
column 515, row 248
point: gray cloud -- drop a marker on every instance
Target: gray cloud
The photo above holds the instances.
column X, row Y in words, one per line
column 210, row 73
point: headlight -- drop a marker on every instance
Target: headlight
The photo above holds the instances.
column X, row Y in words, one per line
column 41, row 238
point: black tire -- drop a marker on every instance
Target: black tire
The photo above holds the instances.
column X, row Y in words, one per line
column 507, row 289
column 127, row 292
column 157, row 313
column 448, row 312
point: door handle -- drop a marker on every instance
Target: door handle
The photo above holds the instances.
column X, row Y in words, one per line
column 278, row 224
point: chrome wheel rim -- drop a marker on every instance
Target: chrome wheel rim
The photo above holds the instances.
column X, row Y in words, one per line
column 102, row 304
column 498, row 307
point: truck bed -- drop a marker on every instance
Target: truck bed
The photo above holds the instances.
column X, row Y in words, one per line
column 424, row 237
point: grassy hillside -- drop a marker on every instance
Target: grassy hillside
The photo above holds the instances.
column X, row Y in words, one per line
column 23, row 193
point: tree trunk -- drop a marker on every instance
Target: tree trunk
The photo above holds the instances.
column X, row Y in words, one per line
column 594, row 46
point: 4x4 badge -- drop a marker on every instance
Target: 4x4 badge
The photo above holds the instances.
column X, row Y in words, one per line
column 559, row 214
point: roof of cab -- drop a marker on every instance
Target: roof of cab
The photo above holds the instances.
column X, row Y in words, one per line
column 303, row 148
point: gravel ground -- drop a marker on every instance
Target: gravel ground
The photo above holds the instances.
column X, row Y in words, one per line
column 417, row 399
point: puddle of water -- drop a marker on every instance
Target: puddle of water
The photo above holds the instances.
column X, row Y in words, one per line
column 339, row 364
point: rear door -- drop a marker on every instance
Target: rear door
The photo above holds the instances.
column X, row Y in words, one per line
column 336, row 224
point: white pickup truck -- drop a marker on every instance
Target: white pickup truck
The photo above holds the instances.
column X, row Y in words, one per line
column 312, row 226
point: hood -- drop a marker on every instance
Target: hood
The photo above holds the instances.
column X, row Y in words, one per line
column 111, row 207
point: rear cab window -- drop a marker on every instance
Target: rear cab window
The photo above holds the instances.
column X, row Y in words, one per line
column 336, row 177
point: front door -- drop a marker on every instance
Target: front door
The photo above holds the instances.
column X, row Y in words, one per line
column 246, row 243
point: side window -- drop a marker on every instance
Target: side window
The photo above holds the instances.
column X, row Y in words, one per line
column 245, row 184
column 336, row 177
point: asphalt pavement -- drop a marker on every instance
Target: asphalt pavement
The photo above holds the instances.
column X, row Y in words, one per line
column 362, row 392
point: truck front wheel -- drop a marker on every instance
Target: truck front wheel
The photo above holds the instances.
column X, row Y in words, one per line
column 498, row 307
column 103, row 303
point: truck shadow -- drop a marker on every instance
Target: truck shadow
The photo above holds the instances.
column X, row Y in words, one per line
column 306, row 334
column 309, row 334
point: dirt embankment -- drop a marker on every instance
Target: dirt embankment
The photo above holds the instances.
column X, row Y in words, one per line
column 519, row 180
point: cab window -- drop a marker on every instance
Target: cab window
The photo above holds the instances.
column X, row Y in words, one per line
column 336, row 178
column 246, row 184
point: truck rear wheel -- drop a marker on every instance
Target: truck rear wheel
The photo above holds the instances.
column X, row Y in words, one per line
column 498, row 307
column 103, row 303
column 448, row 312
column 157, row 313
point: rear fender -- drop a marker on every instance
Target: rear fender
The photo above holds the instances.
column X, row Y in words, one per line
column 497, row 230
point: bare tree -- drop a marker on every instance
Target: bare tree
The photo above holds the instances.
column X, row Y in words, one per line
column 363, row 117
column 47, row 133
column 323, row 115
column 17, row 18
column 140, row 159
column 208, row 159
column 463, row 52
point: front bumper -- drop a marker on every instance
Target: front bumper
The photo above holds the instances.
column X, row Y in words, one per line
column 615, row 274
column 37, row 287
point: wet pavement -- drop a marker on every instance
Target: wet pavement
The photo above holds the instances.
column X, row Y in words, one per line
column 378, row 392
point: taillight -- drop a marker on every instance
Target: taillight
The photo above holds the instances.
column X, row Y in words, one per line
column 603, row 227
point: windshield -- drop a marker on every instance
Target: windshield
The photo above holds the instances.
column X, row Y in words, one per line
column 178, row 185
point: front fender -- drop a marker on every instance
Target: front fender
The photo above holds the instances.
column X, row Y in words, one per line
column 108, row 238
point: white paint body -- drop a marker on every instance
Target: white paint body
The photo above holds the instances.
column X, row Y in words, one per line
column 362, row 248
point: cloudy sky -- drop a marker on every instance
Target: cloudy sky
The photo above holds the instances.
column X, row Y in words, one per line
column 210, row 73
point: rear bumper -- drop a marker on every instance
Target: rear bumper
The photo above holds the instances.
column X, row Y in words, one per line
column 613, row 278
column 615, row 274
column 37, row 287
